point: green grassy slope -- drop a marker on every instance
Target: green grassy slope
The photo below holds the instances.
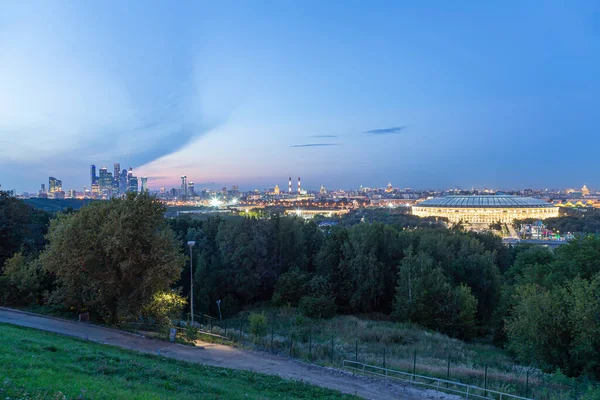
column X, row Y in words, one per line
column 41, row 365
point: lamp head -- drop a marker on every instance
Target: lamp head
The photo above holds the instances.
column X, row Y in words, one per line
column 191, row 243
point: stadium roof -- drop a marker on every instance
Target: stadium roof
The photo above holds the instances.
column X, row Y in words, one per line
column 485, row 202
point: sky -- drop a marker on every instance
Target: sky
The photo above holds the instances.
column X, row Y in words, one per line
column 437, row 94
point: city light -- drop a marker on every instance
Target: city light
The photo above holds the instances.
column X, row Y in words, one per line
column 214, row 202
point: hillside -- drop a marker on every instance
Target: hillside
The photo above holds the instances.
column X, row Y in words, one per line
column 40, row 365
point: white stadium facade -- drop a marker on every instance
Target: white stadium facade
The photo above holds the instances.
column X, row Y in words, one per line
column 485, row 210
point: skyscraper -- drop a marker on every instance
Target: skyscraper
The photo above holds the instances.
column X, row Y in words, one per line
column 144, row 184
column 132, row 181
column 116, row 186
column 123, row 182
column 183, row 186
column 105, row 182
column 190, row 189
column 94, row 178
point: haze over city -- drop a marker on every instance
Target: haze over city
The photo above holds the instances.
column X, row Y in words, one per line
column 249, row 93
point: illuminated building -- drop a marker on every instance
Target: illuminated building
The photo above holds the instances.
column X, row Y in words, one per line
column 144, row 184
column 54, row 185
column 276, row 190
column 105, row 182
column 323, row 191
column 190, row 189
column 585, row 191
column 183, row 186
column 485, row 210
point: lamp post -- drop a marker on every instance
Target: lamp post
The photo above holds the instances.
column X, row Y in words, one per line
column 191, row 244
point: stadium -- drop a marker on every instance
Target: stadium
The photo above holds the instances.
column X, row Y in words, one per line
column 485, row 210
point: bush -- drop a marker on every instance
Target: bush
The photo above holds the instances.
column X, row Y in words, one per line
column 258, row 324
column 290, row 288
column 164, row 308
column 317, row 307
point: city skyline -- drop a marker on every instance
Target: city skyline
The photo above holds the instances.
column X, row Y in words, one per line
column 441, row 96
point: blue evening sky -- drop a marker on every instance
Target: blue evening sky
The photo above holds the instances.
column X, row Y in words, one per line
column 430, row 94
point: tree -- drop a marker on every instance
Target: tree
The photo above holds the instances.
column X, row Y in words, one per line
column 22, row 228
column 22, row 281
column 112, row 257
column 410, row 290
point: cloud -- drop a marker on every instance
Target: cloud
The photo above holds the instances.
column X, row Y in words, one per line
column 324, row 136
column 315, row 145
column 386, row 131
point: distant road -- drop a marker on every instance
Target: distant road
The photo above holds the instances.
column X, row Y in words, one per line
column 227, row 357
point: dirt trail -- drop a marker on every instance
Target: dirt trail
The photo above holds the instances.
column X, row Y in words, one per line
column 229, row 357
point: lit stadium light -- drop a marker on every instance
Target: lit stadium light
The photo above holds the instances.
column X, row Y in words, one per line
column 215, row 202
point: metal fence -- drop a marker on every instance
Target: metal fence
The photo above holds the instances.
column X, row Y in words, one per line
column 468, row 391
column 326, row 346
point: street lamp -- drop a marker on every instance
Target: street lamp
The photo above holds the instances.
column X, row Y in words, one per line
column 191, row 244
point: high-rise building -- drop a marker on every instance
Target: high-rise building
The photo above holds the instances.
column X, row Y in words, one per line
column 43, row 189
column 54, row 185
column 55, row 188
column 105, row 182
column 276, row 190
column 93, row 176
column 123, row 182
column 144, row 184
column 190, row 189
column 116, row 183
column 132, row 181
column 183, row 186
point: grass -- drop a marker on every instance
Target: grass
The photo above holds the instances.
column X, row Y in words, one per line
column 400, row 342
column 41, row 365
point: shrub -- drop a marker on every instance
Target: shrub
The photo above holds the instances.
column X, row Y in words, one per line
column 290, row 288
column 317, row 307
column 258, row 324
column 164, row 308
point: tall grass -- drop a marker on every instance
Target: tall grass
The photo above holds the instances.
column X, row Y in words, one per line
column 407, row 348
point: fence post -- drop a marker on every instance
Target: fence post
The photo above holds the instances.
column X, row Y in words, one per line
column 485, row 381
column 225, row 328
column 272, row 329
column 310, row 345
column 448, row 372
column 291, row 344
column 241, row 323
column 332, row 348
column 527, row 385
column 384, row 359
column 414, row 364
column 356, row 349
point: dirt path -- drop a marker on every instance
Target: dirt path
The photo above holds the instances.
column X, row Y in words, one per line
column 228, row 357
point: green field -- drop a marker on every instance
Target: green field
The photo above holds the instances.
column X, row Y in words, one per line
column 40, row 365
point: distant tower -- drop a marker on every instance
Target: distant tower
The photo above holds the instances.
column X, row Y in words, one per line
column 183, row 186
column 116, row 170
column 144, row 184
column 190, row 189
column 298, row 185
column 290, row 185
column 94, row 178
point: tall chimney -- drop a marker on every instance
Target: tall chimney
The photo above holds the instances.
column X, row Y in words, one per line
column 290, row 185
column 298, row 185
